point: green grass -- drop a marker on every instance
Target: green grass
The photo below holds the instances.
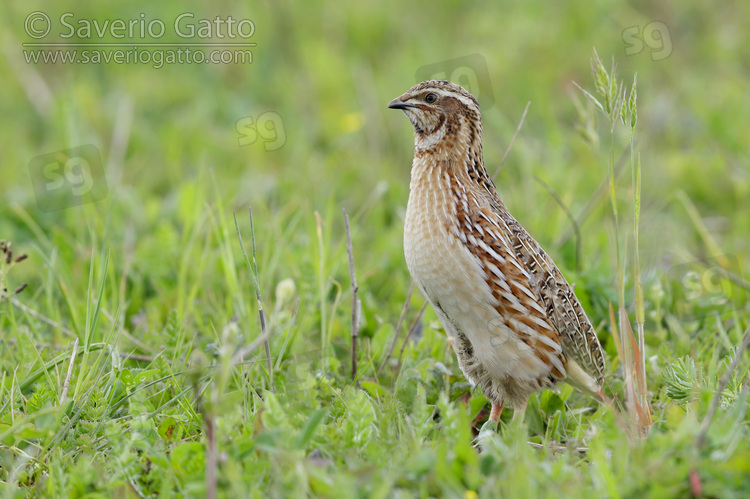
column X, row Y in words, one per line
column 170, row 381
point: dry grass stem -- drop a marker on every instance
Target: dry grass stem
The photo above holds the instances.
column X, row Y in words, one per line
column 254, row 272
column 355, row 301
column 64, row 393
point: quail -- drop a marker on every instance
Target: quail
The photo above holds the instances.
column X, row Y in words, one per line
column 514, row 322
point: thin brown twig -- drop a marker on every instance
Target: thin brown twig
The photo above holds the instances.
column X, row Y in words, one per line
column 355, row 300
column 512, row 140
column 398, row 328
column 411, row 330
column 701, row 438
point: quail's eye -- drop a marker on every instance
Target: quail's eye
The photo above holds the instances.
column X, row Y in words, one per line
column 430, row 98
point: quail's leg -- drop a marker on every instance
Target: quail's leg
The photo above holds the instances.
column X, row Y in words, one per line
column 497, row 410
column 519, row 411
column 490, row 427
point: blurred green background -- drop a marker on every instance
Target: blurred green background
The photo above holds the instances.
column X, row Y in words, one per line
column 179, row 153
column 326, row 70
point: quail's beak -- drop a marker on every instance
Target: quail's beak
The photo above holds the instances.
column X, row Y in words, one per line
column 400, row 103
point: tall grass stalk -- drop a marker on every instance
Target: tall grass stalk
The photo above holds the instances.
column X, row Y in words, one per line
column 256, row 284
column 619, row 106
column 322, row 279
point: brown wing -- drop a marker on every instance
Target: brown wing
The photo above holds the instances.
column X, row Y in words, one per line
column 532, row 294
column 522, row 309
column 578, row 337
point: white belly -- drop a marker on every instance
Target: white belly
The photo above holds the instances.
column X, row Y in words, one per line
column 454, row 282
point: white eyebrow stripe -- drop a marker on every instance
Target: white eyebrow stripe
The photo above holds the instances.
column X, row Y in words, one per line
column 450, row 93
